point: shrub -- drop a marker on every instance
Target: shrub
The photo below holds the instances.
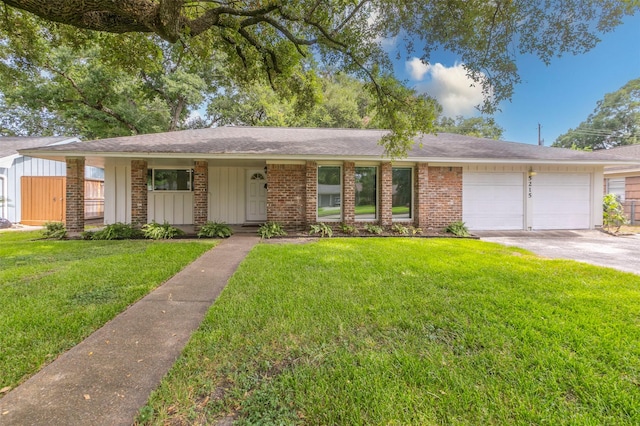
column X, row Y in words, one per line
column 114, row 231
column 54, row 231
column 347, row 229
column 398, row 228
column 373, row 229
column 271, row 229
column 413, row 230
column 215, row 230
column 321, row 228
column 155, row 231
column 612, row 213
column 459, row 229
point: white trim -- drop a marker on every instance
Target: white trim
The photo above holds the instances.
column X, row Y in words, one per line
column 7, row 162
column 277, row 159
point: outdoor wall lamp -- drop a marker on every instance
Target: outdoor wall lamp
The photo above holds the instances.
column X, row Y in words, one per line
column 531, row 172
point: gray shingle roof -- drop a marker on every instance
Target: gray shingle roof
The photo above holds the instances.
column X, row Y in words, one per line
column 9, row 145
column 307, row 143
column 624, row 153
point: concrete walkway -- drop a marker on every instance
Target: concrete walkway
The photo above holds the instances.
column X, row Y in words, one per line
column 106, row 379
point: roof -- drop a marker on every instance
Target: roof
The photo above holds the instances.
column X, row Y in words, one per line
column 313, row 143
column 628, row 153
column 11, row 145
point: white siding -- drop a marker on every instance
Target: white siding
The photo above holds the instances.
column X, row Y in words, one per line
column 117, row 192
column 227, row 194
column 175, row 208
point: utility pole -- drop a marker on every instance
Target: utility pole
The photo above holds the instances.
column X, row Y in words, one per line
column 540, row 140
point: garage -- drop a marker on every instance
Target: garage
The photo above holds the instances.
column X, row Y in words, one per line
column 561, row 201
column 493, row 201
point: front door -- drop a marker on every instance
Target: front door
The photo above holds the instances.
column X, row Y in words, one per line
column 256, row 196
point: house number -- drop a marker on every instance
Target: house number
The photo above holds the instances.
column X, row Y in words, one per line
column 530, row 186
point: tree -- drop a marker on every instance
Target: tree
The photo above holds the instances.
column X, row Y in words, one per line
column 269, row 39
column 481, row 127
column 615, row 121
column 78, row 83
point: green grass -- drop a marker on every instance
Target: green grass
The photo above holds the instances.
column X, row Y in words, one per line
column 53, row 294
column 404, row 331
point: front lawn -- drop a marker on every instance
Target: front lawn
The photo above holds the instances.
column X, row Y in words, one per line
column 411, row 331
column 53, row 294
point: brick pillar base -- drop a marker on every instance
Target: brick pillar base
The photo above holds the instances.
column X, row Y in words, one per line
column 386, row 194
column 200, row 193
column 75, row 195
column 139, row 196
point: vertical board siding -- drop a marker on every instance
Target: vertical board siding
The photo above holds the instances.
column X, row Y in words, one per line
column 175, row 208
column 227, row 194
column 117, row 193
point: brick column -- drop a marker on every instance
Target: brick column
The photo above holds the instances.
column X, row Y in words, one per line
column 421, row 192
column 444, row 196
column 75, row 195
column 386, row 194
column 200, row 193
column 311, row 204
column 349, row 192
column 139, row 196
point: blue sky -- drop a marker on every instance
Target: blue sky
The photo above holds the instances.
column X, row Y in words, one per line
column 558, row 96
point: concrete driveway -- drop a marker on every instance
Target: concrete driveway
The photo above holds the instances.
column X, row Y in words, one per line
column 593, row 247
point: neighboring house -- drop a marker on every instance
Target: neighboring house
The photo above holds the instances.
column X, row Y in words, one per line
column 32, row 190
column 624, row 181
column 243, row 175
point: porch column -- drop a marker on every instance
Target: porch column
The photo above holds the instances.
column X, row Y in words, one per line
column 421, row 195
column 386, row 194
column 311, row 204
column 74, row 209
column 200, row 193
column 349, row 193
column 139, row 196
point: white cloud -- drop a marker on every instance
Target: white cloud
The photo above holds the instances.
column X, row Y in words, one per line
column 417, row 69
column 457, row 93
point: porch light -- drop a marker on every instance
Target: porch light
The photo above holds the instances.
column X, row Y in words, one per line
column 532, row 172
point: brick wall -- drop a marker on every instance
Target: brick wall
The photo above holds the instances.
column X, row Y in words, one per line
column 349, row 192
column 75, row 195
column 287, row 194
column 200, row 193
column 386, row 194
column 444, row 196
column 311, row 196
column 139, row 196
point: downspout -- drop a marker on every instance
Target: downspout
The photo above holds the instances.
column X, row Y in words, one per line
column 3, row 200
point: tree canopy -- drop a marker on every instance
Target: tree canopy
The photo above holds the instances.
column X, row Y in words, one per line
column 615, row 121
column 270, row 40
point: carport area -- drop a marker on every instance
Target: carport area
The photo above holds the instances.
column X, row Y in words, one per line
column 592, row 246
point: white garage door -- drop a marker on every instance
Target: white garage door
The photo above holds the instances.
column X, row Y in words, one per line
column 493, row 201
column 561, row 201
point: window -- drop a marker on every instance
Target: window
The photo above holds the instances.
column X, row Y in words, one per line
column 170, row 180
column 617, row 187
column 402, row 184
column 329, row 193
column 366, row 193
